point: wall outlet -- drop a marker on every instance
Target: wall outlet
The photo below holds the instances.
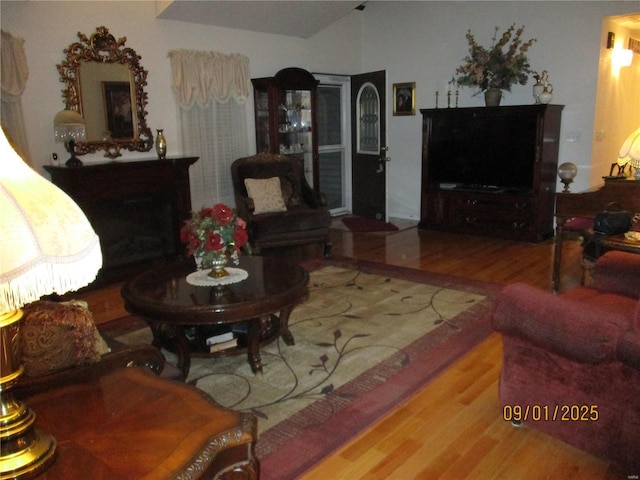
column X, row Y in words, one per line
column 54, row 159
column 573, row 137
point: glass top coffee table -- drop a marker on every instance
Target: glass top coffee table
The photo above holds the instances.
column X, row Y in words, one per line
column 182, row 316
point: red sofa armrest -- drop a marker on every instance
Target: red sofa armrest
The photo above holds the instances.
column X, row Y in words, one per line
column 564, row 326
column 618, row 272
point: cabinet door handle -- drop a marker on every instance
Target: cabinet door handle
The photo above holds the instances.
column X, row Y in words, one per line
column 518, row 226
column 472, row 201
column 471, row 219
column 521, row 205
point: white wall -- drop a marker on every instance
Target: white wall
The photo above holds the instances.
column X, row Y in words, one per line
column 617, row 102
column 420, row 42
column 424, row 42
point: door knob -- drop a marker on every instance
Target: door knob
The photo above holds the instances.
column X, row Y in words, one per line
column 383, row 157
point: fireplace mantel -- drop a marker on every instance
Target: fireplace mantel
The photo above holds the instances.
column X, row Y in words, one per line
column 119, row 198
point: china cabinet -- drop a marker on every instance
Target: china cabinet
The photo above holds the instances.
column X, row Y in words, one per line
column 285, row 110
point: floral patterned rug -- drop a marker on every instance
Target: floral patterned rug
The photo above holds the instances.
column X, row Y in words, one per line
column 367, row 337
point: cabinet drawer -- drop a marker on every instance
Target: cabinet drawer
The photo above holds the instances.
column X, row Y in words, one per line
column 501, row 220
column 516, row 206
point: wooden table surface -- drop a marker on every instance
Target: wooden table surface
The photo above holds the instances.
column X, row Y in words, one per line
column 169, row 304
column 131, row 424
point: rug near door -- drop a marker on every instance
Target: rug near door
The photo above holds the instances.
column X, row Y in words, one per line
column 368, row 337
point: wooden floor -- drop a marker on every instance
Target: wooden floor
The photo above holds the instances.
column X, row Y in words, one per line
column 452, row 429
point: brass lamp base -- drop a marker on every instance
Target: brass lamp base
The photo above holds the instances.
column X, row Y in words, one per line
column 26, row 452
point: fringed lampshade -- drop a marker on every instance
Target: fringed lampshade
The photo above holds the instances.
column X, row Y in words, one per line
column 630, row 152
column 48, row 246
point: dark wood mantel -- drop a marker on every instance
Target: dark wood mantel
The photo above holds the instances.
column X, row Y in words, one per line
column 110, row 191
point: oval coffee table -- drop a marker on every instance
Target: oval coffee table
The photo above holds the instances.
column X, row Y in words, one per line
column 182, row 315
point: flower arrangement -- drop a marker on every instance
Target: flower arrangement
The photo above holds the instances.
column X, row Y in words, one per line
column 494, row 67
column 214, row 234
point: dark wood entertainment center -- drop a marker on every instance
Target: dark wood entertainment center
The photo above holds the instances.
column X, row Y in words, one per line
column 136, row 208
column 490, row 171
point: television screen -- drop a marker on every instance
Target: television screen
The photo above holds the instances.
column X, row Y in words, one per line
column 484, row 151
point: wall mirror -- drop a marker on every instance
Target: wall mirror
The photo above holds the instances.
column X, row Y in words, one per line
column 105, row 84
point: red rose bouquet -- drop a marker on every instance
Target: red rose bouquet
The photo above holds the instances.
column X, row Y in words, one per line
column 214, row 234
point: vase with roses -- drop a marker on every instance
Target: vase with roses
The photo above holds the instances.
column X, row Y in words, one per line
column 214, row 236
column 496, row 68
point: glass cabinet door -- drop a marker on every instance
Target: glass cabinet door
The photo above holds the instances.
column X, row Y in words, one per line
column 285, row 112
column 295, row 127
column 263, row 133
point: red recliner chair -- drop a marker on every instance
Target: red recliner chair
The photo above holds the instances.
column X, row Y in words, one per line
column 571, row 365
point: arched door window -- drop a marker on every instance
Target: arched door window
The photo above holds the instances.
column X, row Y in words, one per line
column 368, row 114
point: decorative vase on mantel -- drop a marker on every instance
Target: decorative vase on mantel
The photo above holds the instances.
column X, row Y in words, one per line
column 161, row 145
column 492, row 97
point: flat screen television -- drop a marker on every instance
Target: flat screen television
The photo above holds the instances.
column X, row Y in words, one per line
column 485, row 151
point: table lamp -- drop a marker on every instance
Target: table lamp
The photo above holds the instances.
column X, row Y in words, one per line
column 48, row 246
column 630, row 152
column 68, row 127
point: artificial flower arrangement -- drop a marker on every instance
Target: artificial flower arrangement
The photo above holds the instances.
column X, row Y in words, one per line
column 214, row 234
column 494, row 67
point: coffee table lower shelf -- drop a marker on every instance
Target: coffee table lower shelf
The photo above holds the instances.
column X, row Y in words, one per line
column 196, row 339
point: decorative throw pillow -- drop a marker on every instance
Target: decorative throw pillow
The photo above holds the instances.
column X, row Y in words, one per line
column 58, row 335
column 266, row 194
column 290, row 192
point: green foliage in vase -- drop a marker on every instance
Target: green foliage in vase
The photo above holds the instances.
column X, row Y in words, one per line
column 503, row 64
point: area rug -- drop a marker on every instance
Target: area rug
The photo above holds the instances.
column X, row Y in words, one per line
column 365, row 225
column 367, row 338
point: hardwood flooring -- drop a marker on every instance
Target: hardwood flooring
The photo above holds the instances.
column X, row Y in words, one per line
column 452, row 428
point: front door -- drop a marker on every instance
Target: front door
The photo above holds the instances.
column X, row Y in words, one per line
column 369, row 146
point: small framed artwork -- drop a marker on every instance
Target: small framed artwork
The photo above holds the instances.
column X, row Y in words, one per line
column 404, row 98
column 117, row 100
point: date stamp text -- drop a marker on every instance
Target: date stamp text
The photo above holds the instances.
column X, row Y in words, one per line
column 554, row 413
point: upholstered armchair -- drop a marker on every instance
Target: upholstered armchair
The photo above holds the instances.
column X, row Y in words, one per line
column 280, row 208
column 571, row 365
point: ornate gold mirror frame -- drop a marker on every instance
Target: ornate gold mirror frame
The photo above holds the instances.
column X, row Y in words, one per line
column 102, row 77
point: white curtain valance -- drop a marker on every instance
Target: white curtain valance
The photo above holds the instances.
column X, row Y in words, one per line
column 14, row 72
column 202, row 77
column 14, row 65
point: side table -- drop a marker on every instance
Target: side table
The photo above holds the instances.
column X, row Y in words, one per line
column 597, row 245
column 132, row 424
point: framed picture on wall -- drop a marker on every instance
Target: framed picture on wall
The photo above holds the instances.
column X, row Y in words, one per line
column 117, row 100
column 404, row 98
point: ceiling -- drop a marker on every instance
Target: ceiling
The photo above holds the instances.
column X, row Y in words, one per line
column 293, row 18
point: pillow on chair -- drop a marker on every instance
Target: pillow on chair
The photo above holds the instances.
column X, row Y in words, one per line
column 290, row 192
column 266, row 194
column 58, row 335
